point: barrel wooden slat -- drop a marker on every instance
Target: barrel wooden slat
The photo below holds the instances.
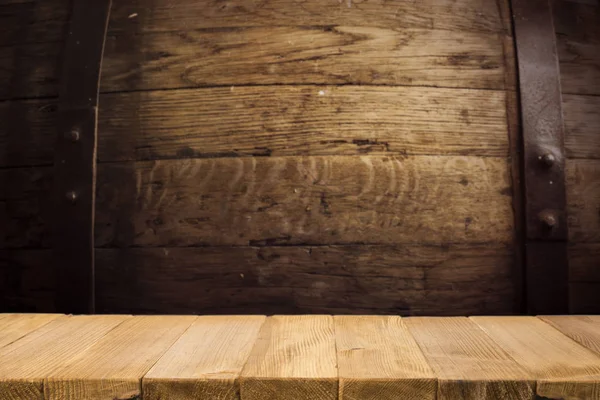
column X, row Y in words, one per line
column 583, row 193
column 37, row 21
column 137, row 16
column 416, row 280
column 582, row 124
column 304, row 55
column 304, row 200
column 301, row 120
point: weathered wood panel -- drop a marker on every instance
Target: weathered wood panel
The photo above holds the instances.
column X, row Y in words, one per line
column 27, row 132
column 29, row 70
column 584, row 264
column 406, row 280
column 279, row 120
column 578, row 39
column 579, row 66
column 378, row 359
column 293, row 358
column 27, row 281
column 139, row 16
column 484, row 370
column 303, row 55
column 33, row 21
column 582, row 124
column 577, row 20
column 206, row 361
column 302, row 200
column 114, row 366
column 583, row 200
column 282, row 200
column 563, row 369
column 292, row 120
column 27, row 362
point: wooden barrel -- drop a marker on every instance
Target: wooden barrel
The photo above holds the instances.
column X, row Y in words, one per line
column 284, row 156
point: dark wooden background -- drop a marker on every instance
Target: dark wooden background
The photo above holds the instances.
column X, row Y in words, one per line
column 296, row 157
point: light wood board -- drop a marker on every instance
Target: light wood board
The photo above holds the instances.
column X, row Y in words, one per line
column 562, row 368
column 15, row 326
column 113, row 368
column 584, row 329
column 468, row 364
column 206, row 361
column 378, row 359
column 28, row 361
column 293, row 358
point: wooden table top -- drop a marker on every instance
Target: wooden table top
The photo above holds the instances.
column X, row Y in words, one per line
column 51, row 356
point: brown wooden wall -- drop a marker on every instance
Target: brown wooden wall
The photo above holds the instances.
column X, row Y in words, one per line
column 577, row 25
column 281, row 157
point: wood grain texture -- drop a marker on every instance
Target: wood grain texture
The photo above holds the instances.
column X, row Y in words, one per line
column 303, row 55
column 584, row 329
column 162, row 15
column 113, row 368
column 206, row 361
column 579, row 53
column 582, row 124
column 583, row 200
column 281, row 200
column 304, row 200
column 293, row 358
column 563, row 368
column 27, row 281
column 484, row 371
column 28, row 361
column 29, row 70
column 584, row 277
column 379, row 359
column 33, row 21
column 27, row 133
column 406, row 280
column 14, row 326
column 24, row 207
column 301, row 120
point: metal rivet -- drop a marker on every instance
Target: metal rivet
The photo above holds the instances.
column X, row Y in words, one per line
column 549, row 219
column 548, row 160
column 73, row 135
column 72, row 196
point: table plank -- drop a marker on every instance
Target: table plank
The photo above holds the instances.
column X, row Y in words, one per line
column 468, row 364
column 563, row 368
column 293, row 358
column 113, row 368
column 15, row 326
column 26, row 362
column 583, row 329
column 379, row 359
column 206, row 361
